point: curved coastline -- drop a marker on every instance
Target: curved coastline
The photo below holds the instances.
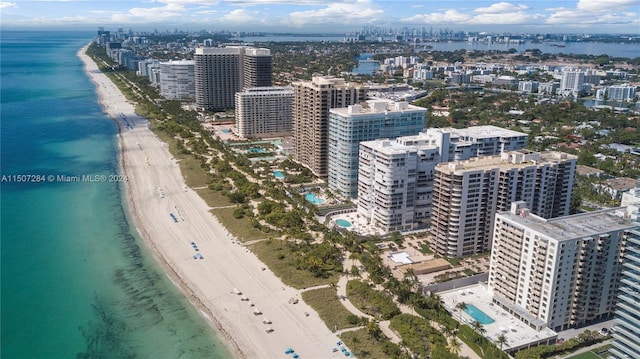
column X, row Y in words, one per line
column 155, row 190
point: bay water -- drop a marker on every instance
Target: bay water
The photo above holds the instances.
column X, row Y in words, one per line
column 76, row 280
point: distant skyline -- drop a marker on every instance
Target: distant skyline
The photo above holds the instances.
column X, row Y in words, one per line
column 304, row 16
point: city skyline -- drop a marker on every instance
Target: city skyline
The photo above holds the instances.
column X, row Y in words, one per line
column 568, row 16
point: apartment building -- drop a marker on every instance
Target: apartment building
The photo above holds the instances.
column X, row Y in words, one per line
column 559, row 273
column 362, row 122
column 571, row 82
column 177, row 80
column 312, row 101
column 395, row 183
column 264, row 112
column 626, row 343
column 221, row 72
column 468, row 194
column 410, row 161
column 616, row 93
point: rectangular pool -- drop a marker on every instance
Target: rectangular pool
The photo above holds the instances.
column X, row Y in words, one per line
column 478, row 315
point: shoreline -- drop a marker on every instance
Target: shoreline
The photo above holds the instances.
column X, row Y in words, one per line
column 155, row 190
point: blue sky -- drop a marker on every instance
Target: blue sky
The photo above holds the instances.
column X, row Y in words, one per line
column 566, row 16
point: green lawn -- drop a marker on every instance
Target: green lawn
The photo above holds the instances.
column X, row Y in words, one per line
column 364, row 346
column 279, row 258
column 587, row 355
column 240, row 228
column 326, row 302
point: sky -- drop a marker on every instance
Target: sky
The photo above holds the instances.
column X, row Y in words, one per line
column 329, row 16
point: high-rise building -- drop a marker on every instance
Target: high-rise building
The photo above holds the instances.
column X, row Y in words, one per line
column 264, row 112
column 348, row 126
column 561, row 272
column 311, row 103
column 257, row 68
column 407, row 165
column 467, row 194
column 626, row 333
column 395, row 183
column 221, row 72
column 177, row 80
column 218, row 77
column 571, row 82
column 477, row 141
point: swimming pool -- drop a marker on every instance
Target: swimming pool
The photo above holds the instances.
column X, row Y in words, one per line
column 478, row 315
column 278, row 174
column 343, row 223
column 313, row 199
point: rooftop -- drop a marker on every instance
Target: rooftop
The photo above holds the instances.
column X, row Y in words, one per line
column 622, row 183
column 575, row 226
column 487, row 131
column 507, row 160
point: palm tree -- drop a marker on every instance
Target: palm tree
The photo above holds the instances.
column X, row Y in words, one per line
column 461, row 306
column 501, row 340
column 477, row 327
column 454, row 345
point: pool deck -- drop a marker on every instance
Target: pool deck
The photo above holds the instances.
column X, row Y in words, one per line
column 518, row 334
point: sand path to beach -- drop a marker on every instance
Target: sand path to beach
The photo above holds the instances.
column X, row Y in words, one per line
column 156, row 191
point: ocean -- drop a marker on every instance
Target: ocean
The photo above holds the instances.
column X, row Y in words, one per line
column 76, row 279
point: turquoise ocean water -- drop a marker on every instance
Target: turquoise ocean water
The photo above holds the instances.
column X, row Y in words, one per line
column 76, row 281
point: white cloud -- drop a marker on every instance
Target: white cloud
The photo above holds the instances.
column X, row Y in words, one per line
column 279, row 2
column 239, row 16
column 582, row 18
column 606, row 5
column 188, row 2
column 6, row 4
column 518, row 18
column 447, row 17
column 148, row 15
column 360, row 12
column 501, row 7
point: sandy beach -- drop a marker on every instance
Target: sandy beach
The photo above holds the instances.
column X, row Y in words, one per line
column 171, row 218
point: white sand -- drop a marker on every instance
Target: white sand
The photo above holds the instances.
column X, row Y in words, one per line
column 207, row 282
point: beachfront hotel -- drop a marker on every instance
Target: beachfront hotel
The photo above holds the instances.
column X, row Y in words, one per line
column 395, row 177
column 467, row 195
column 177, row 80
column 311, row 103
column 220, row 72
column 562, row 272
column 263, row 112
column 362, row 122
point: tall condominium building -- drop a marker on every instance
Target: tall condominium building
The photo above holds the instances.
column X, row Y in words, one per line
column 177, row 80
column 264, row 112
column 467, row 194
column 476, row 141
column 257, row 68
column 311, row 103
column 221, row 72
column 362, row 122
column 395, row 178
column 626, row 343
column 571, row 82
column 395, row 183
column 562, row 272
